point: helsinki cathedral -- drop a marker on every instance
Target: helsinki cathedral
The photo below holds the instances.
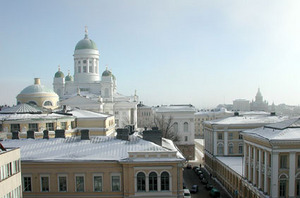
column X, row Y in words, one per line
column 87, row 90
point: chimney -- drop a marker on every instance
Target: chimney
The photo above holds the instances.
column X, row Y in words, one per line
column 2, row 147
column 236, row 113
column 37, row 81
column 15, row 135
column 60, row 133
column 30, row 134
column 45, row 134
column 123, row 134
column 130, row 128
column 85, row 134
column 153, row 135
column 273, row 113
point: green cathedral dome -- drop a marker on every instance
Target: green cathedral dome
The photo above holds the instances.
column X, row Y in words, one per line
column 86, row 43
column 59, row 74
column 68, row 78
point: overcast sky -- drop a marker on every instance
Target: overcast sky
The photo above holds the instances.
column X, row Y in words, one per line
column 172, row 52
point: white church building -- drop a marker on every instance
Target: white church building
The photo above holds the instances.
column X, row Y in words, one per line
column 90, row 92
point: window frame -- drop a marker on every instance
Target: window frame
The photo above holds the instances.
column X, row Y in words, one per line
column 101, row 187
column 153, row 181
column 41, row 182
column 166, row 182
column 23, row 182
column 77, row 185
column 141, row 184
column 111, row 182
column 58, row 182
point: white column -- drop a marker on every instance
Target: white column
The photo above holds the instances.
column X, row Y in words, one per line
column 274, row 176
column 292, row 173
column 226, row 142
column 158, row 183
column 147, row 183
column 244, row 159
column 259, row 168
column 249, row 163
column 254, row 165
column 266, row 172
column 215, row 142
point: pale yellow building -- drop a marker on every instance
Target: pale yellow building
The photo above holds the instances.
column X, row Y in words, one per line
column 10, row 172
column 39, row 95
column 100, row 167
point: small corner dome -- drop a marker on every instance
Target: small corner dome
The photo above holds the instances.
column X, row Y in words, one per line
column 107, row 73
column 68, row 78
column 59, row 74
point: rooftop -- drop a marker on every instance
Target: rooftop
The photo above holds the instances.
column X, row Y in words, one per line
column 98, row 148
column 175, row 108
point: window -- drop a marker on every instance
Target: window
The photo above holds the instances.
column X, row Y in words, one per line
column 185, row 127
column 33, row 127
column 165, row 181
column 115, row 183
column 48, row 103
column 220, row 149
column 1, row 127
column 141, row 182
column 240, row 148
column 186, row 138
column 27, row 183
column 84, row 69
column 79, row 69
column 50, row 126
column 32, row 103
column 230, row 136
column 79, row 184
column 230, row 148
column 62, row 183
column 240, row 136
column 298, row 187
column 97, row 183
column 153, row 181
column 220, row 136
column 298, row 159
column 79, row 62
column 283, row 161
column 84, row 61
column 45, row 183
column 282, row 188
column 90, row 69
column 15, row 127
column 63, row 125
column 175, row 127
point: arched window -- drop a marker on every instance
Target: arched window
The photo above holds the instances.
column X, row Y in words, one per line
column 32, row 103
column 185, row 127
column 165, row 181
column 282, row 185
column 47, row 103
column 220, row 149
column 153, row 181
column 141, row 182
column 175, row 127
column 230, row 148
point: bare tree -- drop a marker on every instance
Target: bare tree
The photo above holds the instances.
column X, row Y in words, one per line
column 165, row 124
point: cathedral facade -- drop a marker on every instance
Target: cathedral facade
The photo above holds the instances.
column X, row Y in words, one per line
column 98, row 93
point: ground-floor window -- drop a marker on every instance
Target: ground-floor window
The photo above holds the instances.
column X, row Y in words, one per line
column 79, row 183
column 62, row 183
column 141, row 182
column 115, row 183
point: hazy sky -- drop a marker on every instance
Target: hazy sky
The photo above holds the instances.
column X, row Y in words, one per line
column 172, row 52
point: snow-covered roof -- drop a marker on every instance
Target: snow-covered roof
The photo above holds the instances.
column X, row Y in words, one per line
column 87, row 114
column 221, row 111
column 175, row 108
column 235, row 163
column 247, row 119
column 285, row 130
column 27, row 116
column 21, row 108
column 98, row 148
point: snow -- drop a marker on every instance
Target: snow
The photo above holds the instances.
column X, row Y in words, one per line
column 234, row 163
column 175, row 108
column 248, row 119
column 28, row 116
column 87, row 114
column 74, row 149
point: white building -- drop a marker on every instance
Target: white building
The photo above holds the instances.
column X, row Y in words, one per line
column 10, row 172
column 182, row 125
column 145, row 116
column 241, row 105
column 101, row 93
column 202, row 116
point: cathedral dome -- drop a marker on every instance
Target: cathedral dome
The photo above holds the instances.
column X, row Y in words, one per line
column 36, row 88
column 59, row 74
column 106, row 73
column 86, row 43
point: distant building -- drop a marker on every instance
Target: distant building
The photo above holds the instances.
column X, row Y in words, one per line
column 10, row 172
column 241, row 105
column 145, row 116
column 259, row 104
column 203, row 116
column 99, row 167
column 182, row 123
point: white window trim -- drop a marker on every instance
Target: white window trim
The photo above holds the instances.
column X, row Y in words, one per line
column 115, row 174
column 80, row 175
column 97, row 174
column 44, row 175
column 62, row 175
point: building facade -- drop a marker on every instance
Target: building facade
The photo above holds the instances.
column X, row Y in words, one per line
column 241, row 105
column 180, row 119
column 10, row 172
column 145, row 116
column 101, row 92
column 100, row 167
